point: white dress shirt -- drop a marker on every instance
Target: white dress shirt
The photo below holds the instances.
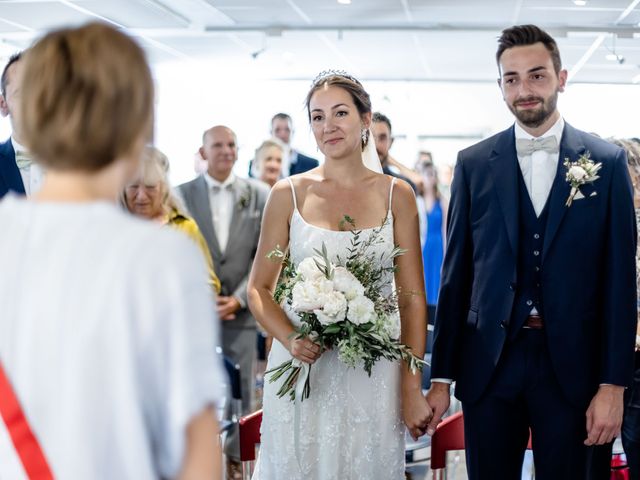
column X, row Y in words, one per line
column 539, row 169
column 32, row 175
column 221, row 199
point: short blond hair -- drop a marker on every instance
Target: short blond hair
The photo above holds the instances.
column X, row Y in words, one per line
column 88, row 97
column 271, row 142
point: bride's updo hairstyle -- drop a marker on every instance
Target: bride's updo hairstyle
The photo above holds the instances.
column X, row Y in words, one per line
column 341, row 79
column 87, row 97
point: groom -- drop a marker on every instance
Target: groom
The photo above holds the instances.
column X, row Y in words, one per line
column 537, row 307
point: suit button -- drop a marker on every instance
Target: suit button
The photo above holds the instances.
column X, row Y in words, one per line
column 223, row 261
column 512, row 286
column 529, row 303
column 536, row 236
column 537, row 269
column 503, row 324
column 536, row 253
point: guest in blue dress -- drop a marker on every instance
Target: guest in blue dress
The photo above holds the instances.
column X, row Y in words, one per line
column 433, row 208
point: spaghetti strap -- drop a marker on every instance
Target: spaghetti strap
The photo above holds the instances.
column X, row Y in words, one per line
column 293, row 193
column 393, row 182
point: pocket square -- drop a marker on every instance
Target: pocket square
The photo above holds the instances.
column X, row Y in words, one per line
column 578, row 196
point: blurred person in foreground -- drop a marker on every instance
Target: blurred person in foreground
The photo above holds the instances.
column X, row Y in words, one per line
column 268, row 160
column 108, row 325
column 149, row 196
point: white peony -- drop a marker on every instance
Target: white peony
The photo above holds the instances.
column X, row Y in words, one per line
column 309, row 295
column 577, row 172
column 347, row 283
column 361, row 310
column 333, row 310
column 308, row 269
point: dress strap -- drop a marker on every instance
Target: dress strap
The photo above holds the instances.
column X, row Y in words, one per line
column 293, row 193
column 393, row 182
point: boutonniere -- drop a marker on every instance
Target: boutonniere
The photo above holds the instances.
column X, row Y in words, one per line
column 582, row 171
column 245, row 199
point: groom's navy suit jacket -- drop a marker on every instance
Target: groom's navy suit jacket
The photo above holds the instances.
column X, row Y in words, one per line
column 10, row 178
column 588, row 281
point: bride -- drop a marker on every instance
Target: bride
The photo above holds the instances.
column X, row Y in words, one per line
column 352, row 425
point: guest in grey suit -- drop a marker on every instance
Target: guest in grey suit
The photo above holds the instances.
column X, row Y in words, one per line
column 228, row 211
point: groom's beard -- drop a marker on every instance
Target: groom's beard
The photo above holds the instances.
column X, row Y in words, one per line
column 533, row 118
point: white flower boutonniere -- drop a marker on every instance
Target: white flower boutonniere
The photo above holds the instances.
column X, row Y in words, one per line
column 582, row 171
column 244, row 200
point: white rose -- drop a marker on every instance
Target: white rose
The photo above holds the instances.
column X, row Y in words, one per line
column 310, row 295
column 361, row 310
column 308, row 269
column 577, row 172
column 347, row 283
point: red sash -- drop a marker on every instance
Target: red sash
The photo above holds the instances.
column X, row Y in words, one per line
column 24, row 441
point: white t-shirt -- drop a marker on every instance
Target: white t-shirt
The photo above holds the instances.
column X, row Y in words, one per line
column 107, row 333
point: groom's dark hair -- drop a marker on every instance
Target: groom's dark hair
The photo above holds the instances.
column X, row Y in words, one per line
column 522, row 35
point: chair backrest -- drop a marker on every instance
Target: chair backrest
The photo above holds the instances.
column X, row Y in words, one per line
column 449, row 436
column 249, row 432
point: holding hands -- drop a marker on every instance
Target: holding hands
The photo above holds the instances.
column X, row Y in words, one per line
column 416, row 412
column 438, row 398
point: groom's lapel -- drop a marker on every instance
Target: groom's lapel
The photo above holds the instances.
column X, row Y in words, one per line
column 571, row 147
column 504, row 164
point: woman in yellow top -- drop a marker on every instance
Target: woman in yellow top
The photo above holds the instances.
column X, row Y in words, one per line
column 149, row 196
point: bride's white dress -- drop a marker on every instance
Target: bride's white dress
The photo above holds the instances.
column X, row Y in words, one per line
column 350, row 426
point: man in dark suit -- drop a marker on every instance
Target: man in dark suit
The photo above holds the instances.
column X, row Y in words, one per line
column 293, row 162
column 381, row 131
column 537, row 309
column 11, row 176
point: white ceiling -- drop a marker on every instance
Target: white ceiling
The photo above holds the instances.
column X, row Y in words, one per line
column 421, row 40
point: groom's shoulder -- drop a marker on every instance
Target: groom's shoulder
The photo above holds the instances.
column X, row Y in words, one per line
column 598, row 147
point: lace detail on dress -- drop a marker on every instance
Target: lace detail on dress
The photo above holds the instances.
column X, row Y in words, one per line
column 351, row 426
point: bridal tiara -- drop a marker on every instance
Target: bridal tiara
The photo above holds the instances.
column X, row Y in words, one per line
column 323, row 75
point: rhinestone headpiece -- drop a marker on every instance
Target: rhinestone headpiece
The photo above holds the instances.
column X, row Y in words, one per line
column 323, row 75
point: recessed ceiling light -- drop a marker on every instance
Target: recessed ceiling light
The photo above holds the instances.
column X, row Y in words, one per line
column 344, row 2
column 636, row 79
column 612, row 57
column 580, row 3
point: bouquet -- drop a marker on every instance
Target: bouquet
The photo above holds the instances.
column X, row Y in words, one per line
column 341, row 306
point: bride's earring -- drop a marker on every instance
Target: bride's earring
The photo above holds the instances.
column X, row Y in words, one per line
column 365, row 137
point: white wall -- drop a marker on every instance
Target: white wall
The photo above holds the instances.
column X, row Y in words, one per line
column 194, row 97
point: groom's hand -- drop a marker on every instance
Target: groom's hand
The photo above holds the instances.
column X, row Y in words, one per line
column 438, row 398
column 227, row 307
column 604, row 415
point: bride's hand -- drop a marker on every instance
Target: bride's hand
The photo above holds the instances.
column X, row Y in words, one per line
column 304, row 350
column 416, row 412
